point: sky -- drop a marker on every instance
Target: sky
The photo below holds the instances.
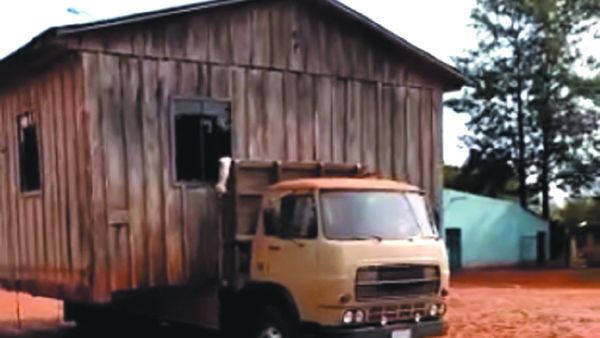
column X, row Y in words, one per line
column 437, row 26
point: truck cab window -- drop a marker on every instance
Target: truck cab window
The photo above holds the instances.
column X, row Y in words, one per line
column 293, row 216
column 29, row 162
column 202, row 135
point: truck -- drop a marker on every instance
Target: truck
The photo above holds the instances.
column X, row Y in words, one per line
column 334, row 252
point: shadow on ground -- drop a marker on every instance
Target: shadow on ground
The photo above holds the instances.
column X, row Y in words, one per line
column 66, row 331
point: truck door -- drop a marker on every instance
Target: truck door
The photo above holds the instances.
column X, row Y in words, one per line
column 289, row 244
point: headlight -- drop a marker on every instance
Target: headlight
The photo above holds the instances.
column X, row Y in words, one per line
column 442, row 309
column 433, row 310
column 359, row 316
column 348, row 317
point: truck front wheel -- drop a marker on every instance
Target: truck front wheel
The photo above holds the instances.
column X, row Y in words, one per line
column 273, row 323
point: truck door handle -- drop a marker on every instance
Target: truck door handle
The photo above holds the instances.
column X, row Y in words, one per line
column 274, row 248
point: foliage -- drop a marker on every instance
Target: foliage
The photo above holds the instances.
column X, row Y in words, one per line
column 525, row 101
column 489, row 176
column 580, row 210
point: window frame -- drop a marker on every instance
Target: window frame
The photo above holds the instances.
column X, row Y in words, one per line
column 175, row 182
column 295, row 194
column 36, row 124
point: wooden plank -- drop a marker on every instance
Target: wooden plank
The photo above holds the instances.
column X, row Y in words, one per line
column 132, row 123
column 238, row 113
column 176, row 38
column 83, row 158
column 336, row 52
column 414, row 133
column 174, row 241
column 4, row 209
column 426, row 144
column 153, row 175
column 219, row 82
column 241, row 37
column 62, row 179
column 274, row 117
column 385, row 127
column 194, row 211
column 40, row 249
column 5, row 218
column 24, row 226
column 115, row 169
column 311, row 27
column 197, row 39
column 13, row 230
column 399, row 134
column 93, row 117
column 281, row 34
column 49, row 158
column 353, row 122
column 255, row 104
column 73, row 213
column 220, row 48
column 290, row 87
column 31, row 236
column 261, row 39
column 324, row 105
column 190, row 80
column 297, row 50
column 116, row 40
column 368, row 112
column 438, row 155
column 339, row 103
column 154, row 40
column 306, row 118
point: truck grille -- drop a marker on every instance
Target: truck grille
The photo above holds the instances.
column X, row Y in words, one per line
column 393, row 313
column 397, row 281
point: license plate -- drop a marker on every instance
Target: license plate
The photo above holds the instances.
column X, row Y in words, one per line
column 401, row 334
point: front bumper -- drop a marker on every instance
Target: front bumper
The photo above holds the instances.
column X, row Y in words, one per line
column 418, row 330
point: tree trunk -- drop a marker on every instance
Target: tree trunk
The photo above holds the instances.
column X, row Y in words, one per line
column 521, row 137
column 544, row 178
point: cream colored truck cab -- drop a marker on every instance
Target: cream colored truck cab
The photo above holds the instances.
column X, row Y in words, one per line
column 357, row 257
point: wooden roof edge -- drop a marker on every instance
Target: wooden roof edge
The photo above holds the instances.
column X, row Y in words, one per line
column 453, row 77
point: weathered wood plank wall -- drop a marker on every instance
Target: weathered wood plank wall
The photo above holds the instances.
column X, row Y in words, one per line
column 302, row 86
column 44, row 234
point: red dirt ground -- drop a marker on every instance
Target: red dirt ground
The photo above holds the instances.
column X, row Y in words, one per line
column 546, row 303
column 484, row 303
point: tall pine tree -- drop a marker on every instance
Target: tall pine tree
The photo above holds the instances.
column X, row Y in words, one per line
column 522, row 99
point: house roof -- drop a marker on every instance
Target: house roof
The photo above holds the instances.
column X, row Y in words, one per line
column 328, row 183
column 454, row 78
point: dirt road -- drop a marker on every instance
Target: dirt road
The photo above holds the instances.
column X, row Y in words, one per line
column 536, row 304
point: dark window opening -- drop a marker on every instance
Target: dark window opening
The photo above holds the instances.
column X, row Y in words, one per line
column 292, row 217
column 202, row 136
column 29, row 163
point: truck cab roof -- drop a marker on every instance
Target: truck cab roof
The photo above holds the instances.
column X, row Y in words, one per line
column 329, row 183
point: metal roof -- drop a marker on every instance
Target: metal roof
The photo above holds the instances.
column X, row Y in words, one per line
column 452, row 74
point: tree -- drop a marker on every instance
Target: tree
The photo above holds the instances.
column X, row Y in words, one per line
column 490, row 176
column 522, row 99
column 580, row 210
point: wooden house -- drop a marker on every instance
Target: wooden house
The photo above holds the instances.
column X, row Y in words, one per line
column 110, row 131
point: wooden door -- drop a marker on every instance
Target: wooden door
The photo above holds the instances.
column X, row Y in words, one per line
column 541, row 247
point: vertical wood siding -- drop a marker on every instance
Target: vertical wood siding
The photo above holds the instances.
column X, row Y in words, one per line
column 43, row 234
column 302, row 86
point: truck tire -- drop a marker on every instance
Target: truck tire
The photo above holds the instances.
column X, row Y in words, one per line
column 273, row 323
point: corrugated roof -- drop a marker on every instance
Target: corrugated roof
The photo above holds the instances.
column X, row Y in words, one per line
column 329, row 183
column 455, row 77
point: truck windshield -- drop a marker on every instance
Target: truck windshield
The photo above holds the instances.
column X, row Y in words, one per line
column 356, row 215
